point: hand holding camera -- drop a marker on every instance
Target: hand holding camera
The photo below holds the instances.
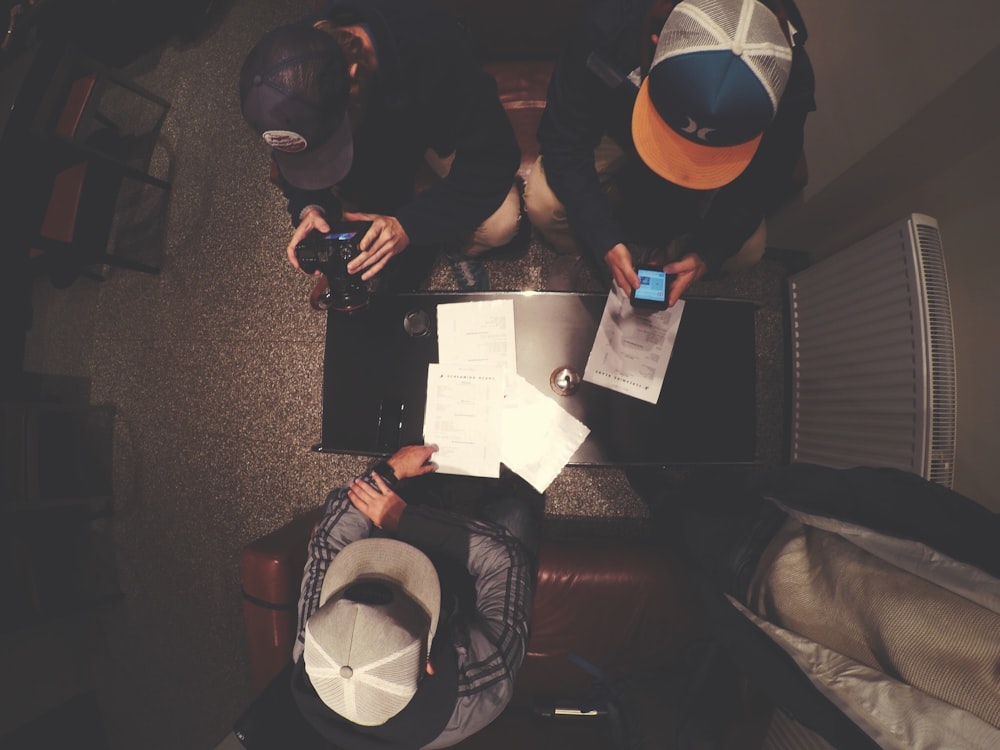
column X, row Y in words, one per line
column 330, row 252
column 386, row 240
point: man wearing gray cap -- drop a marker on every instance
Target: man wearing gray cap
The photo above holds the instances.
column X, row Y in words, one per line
column 413, row 621
column 353, row 100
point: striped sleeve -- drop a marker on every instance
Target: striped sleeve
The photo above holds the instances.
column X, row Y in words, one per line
column 341, row 524
column 498, row 633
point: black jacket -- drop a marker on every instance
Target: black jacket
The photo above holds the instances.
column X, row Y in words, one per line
column 429, row 92
column 590, row 95
column 918, row 517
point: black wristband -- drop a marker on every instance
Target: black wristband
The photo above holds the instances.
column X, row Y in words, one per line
column 384, row 470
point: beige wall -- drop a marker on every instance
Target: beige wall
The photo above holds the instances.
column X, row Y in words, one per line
column 909, row 121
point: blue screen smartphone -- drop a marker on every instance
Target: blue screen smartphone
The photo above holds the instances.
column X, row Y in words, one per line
column 654, row 287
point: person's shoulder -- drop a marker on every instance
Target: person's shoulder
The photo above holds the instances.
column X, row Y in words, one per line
column 801, row 87
column 791, row 11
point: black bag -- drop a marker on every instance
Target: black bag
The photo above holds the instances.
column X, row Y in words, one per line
column 273, row 720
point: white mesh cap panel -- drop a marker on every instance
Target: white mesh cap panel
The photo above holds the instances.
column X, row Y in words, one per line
column 721, row 17
column 744, row 26
column 686, row 31
column 766, row 50
column 364, row 651
column 368, row 695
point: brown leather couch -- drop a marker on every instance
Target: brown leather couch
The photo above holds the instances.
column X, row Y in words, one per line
column 628, row 607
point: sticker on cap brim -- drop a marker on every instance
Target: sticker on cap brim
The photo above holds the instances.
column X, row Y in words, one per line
column 285, row 140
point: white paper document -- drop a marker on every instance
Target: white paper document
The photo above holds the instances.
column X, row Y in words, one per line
column 480, row 412
column 463, row 418
column 539, row 436
column 632, row 347
column 477, row 333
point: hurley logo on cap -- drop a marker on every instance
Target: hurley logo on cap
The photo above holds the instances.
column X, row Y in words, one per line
column 700, row 133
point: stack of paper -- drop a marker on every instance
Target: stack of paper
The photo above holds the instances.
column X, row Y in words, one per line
column 480, row 412
column 463, row 418
column 539, row 436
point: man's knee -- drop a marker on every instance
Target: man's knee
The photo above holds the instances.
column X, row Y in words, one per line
column 514, row 514
column 547, row 213
column 540, row 203
column 500, row 228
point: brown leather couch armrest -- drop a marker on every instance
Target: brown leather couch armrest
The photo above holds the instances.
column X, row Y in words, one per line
column 271, row 572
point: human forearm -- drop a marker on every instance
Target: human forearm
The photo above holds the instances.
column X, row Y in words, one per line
column 504, row 582
column 572, row 176
column 341, row 524
column 372, row 494
column 570, row 130
column 737, row 209
column 498, row 563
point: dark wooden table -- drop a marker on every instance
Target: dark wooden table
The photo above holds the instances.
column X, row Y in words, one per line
column 375, row 378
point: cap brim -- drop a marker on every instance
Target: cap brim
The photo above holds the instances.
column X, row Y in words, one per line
column 320, row 167
column 677, row 159
column 391, row 559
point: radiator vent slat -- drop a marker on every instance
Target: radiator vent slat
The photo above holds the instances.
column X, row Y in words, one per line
column 942, row 354
column 873, row 355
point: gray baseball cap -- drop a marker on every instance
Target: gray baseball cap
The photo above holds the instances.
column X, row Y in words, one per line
column 366, row 646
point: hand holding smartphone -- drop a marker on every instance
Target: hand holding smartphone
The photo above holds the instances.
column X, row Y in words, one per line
column 654, row 287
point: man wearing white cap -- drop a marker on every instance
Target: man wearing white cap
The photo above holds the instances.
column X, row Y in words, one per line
column 413, row 621
column 671, row 120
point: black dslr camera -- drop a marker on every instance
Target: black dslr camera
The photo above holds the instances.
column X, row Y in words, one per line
column 330, row 253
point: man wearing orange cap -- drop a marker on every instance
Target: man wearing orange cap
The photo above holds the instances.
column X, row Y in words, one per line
column 667, row 121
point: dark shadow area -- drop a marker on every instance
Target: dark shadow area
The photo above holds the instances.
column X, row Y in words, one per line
column 75, row 723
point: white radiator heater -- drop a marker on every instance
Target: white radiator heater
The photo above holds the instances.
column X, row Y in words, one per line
column 873, row 359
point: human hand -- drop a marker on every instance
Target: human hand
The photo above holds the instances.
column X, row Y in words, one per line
column 312, row 219
column 381, row 506
column 412, row 461
column 619, row 260
column 688, row 270
column 385, row 240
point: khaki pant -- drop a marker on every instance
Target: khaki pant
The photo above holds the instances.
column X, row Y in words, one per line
column 499, row 228
column 548, row 214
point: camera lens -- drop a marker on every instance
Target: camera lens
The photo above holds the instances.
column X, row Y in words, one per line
column 347, row 294
column 330, row 253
